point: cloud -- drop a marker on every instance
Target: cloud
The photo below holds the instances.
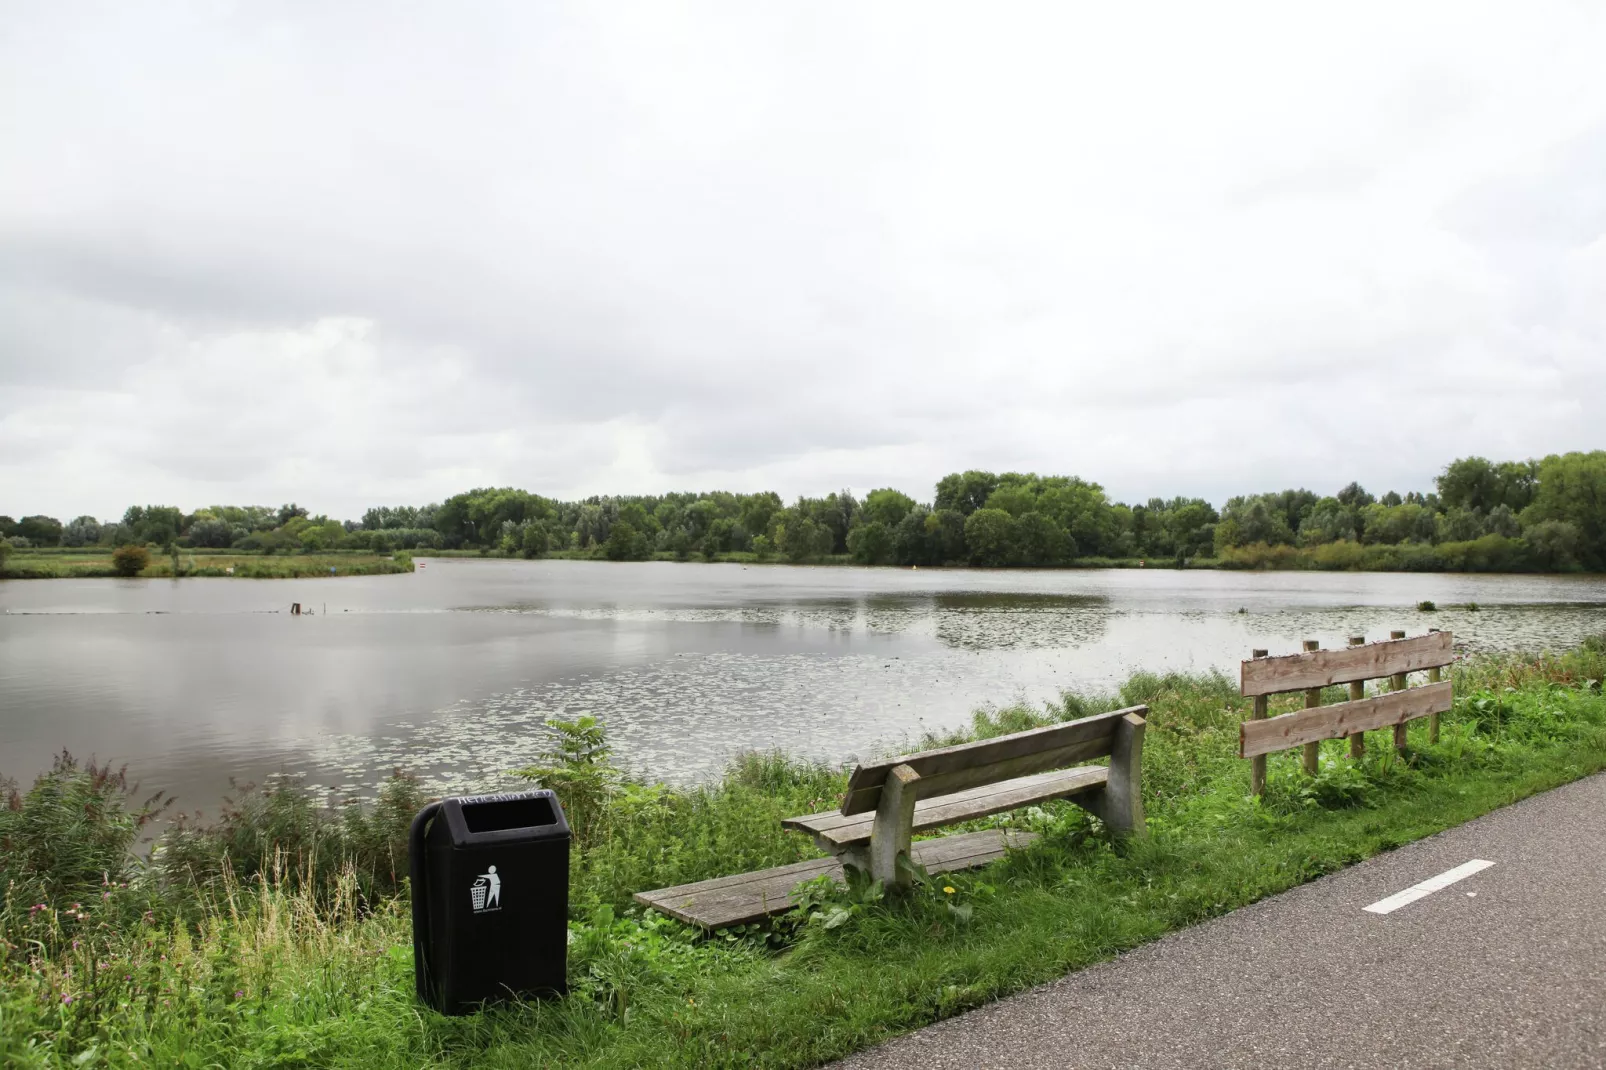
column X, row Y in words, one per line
column 346, row 255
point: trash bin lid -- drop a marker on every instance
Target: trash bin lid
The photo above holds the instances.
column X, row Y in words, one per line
column 481, row 820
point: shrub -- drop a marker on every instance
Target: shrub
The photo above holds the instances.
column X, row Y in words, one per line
column 72, row 831
column 282, row 830
column 130, row 560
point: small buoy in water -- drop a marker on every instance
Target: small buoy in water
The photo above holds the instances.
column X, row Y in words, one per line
column 914, row 568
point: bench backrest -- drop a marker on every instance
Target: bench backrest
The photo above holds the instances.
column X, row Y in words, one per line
column 989, row 761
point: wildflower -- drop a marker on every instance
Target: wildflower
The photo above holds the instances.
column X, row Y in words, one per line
column 238, row 993
column 65, row 998
column 948, row 889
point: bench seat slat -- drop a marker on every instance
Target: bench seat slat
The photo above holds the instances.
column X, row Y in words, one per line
column 851, row 831
column 749, row 897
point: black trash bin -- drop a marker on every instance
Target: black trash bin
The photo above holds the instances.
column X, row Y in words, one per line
column 490, row 876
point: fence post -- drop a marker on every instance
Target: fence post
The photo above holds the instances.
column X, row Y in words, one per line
column 1313, row 698
column 1434, row 677
column 1257, row 764
column 1397, row 682
column 1357, row 690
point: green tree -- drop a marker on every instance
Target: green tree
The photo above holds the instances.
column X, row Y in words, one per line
column 1572, row 488
column 888, row 507
column 1554, row 545
column 965, row 492
column 40, row 530
column 1479, row 484
column 533, row 540
column 625, row 543
column 871, row 544
column 1016, row 499
column 990, row 538
column 1040, row 542
column 81, row 531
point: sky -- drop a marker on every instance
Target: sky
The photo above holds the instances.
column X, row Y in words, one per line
column 350, row 254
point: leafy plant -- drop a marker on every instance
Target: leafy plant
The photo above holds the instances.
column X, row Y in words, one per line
column 576, row 766
column 131, row 560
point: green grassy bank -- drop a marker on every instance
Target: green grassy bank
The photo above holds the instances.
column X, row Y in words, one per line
column 276, row 935
column 70, row 563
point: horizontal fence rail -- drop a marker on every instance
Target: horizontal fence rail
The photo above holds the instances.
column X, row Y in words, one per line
column 1340, row 720
column 1298, row 672
column 1316, row 669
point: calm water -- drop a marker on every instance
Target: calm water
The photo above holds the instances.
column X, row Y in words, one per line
column 450, row 671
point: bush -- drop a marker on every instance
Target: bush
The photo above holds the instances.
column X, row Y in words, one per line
column 130, row 560
column 282, row 830
column 72, row 831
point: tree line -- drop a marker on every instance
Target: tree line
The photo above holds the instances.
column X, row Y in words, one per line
column 1547, row 514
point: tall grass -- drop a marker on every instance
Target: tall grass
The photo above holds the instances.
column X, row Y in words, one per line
column 277, row 934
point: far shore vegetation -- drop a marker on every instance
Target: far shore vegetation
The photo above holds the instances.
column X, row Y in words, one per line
column 276, row 932
column 1544, row 515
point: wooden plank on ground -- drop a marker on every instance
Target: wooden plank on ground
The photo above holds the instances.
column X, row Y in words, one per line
column 864, row 786
column 848, row 831
column 1332, row 722
column 1297, row 672
column 746, row 897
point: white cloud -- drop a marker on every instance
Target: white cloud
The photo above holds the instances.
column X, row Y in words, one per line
column 344, row 255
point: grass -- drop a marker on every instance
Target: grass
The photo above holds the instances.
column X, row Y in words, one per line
column 304, row 959
column 56, row 564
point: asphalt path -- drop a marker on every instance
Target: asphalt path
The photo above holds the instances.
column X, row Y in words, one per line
column 1504, row 968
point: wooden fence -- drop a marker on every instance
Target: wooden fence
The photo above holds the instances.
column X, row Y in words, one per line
column 1315, row 669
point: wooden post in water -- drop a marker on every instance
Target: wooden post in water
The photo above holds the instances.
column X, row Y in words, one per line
column 1257, row 764
column 1313, row 698
column 1397, row 682
column 1357, row 691
column 1433, row 719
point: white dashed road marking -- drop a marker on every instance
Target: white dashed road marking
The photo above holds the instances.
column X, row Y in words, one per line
column 1428, row 887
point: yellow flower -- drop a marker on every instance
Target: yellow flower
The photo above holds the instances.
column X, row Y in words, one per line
column 949, row 890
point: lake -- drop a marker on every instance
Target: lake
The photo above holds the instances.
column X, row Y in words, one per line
column 450, row 671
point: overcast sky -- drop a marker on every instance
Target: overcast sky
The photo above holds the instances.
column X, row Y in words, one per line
column 352, row 254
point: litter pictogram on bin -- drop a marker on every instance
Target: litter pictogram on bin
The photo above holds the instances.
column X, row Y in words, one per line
column 486, row 891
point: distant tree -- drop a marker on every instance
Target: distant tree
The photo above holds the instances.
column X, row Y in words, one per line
column 289, row 512
column 130, row 560
column 1572, row 488
column 625, row 543
column 1016, row 499
column 1392, row 498
column 887, row 506
column 40, row 530
column 871, row 544
column 209, row 531
column 8, row 527
column 1329, row 520
column 1554, row 545
column 965, row 492
column 1355, row 496
column 1040, row 542
column 81, row 531
column 990, row 537
column 533, row 541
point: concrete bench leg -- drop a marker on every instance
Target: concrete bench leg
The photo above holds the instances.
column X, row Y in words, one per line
column 894, row 824
column 1120, row 805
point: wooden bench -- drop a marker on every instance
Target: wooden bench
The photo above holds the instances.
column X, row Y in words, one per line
column 888, row 801
column 1395, row 659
